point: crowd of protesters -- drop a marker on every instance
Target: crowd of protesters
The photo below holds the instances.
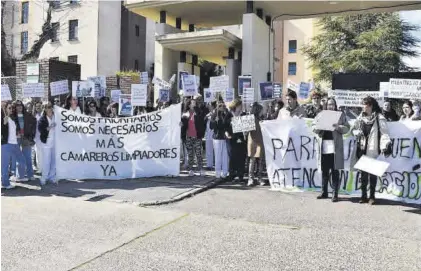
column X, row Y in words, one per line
column 29, row 129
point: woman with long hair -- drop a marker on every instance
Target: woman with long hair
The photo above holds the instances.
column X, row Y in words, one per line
column 104, row 102
column 372, row 135
column 72, row 104
column 112, row 111
column 27, row 125
column 219, row 126
column 38, row 148
column 91, row 109
column 47, row 135
column 408, row 112
column 331, row 152
column 255, row 148
column 237, row 143
column 193, row 124
column 9, row 145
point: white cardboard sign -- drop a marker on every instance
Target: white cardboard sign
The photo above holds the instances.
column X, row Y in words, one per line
column 33, row 90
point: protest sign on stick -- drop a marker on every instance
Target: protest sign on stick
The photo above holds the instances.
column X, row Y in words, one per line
column 125, row 107
column 293, row 86
column 266, row 90
column 404, row 88
column 325, row 120
column 144, row 78
column 219, row 83
column 351, row 98
column 243, row 82
column 277, row 90
column 115, row 93
column 248, row 95
column 99, row 86
column 82, row 88
column 139, row 94
column 243, row 124
column 59, row 87
column 5, row 93
column 164, row 95
column 189, row 85
column 33, row 90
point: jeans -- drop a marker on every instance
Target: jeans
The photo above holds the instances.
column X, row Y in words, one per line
column 221, row 158
column 9, row 151
column 26, row 157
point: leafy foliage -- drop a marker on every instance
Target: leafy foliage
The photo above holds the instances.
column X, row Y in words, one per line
column 363, row 43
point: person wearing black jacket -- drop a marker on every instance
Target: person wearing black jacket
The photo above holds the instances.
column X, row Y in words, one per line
column 27, row 125
column 46, row 126
column 9, row 145
column 237, row 143
column 193, row 128
column 219, row 126
column 389, row 113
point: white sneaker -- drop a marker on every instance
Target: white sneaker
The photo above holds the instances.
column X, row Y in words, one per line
column 43, row 182
column 32, row 179
column 202, row 173
column 191, row 173
column 10, row 186
column 23, row 180
column 250, row 182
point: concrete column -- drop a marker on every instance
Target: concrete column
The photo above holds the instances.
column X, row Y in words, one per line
column 256, row 48
column 233, row 70
column 178, row 23
column 231, row 53
column 191, row 27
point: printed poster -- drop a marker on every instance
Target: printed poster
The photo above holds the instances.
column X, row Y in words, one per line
column 100, row 85
column 125, row 107
column 266, row 91
column 243, row 82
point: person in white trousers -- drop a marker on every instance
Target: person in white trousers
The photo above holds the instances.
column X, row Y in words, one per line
column 47, row 136
column 218, row 125
column 210, row 163
column 38, row 143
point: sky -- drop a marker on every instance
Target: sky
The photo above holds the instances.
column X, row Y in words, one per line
column 413, row 17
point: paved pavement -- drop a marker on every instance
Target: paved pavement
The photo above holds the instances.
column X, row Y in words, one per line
column 230, row 227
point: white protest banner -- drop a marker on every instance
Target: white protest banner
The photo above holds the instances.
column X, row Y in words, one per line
column 125, row 107
column 291, row 151
column 5, row 93
column 248, row 95
column 351, row 98
column 158, row 81
column 404, row 88
column 144, row 78
column 384, row 89
column 100, row 85
column 243, row 82
column 82, row 88
column 33, row 90
column 189, row 83
column 219, row 83
column 139, row 94
column 59, row 87
column 243, row 123
column 293, row 86
column 118, row 148
column 115, row 93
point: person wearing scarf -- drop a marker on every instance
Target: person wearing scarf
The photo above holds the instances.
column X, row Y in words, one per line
column 372, row 135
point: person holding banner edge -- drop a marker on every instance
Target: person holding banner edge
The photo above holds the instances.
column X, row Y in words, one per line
column 46, row 128
column 372, row 135
column 331, row 154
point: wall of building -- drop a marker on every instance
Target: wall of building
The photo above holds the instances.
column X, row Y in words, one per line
column 109, row 35
column 302, row 31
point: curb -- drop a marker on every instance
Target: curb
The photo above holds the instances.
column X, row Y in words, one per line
column 213, row 183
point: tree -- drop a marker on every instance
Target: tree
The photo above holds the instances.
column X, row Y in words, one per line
column 8, row 62
column 363, row 43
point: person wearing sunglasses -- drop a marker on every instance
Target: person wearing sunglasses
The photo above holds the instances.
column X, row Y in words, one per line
column 27, row 125
column 91, row 109
column 47, row 135
column 9, row 145
column 57, row 101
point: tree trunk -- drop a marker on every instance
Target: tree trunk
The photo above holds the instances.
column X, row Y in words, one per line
column 8, row 63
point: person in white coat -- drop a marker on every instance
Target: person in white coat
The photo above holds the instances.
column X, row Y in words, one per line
column 210, row 163
column 38, row 143
column 47, row 136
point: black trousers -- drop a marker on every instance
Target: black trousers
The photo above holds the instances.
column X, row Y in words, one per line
column 237, row 159
column 365, row 178
column 328, row 166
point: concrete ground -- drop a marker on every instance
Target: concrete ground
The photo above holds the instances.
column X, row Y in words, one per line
column 229, row 227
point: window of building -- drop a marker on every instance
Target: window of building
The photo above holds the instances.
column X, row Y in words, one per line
column 292, row 68
column 56, row 4
column 55, row 58
column 137, row 30
column 55, row 27
column 292, row 48
column 25, row 12
column 72, row 59
column 24, row 42
column 73, row 29
column 136, row 65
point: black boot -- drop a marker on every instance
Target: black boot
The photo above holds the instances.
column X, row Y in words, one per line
column 364, row 196
column 324, row 193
